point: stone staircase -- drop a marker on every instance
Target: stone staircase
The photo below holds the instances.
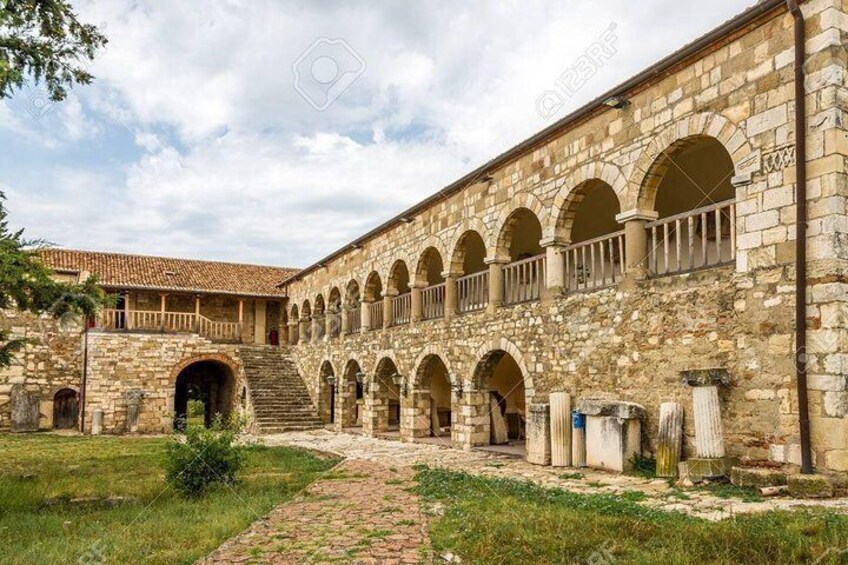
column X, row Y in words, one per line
column 281, row 402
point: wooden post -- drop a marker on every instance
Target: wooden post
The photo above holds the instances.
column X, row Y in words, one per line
column 163, row 298
column 197, row 312
column 241, row 318
column 127, row 323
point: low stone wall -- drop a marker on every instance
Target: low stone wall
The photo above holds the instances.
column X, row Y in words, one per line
column 628, row 343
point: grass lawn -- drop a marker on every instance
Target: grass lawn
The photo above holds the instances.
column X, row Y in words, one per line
column 41, row 473
column 504, row 521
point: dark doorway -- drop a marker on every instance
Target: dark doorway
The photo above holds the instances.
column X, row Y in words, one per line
column 65, row 409
column 203, row 390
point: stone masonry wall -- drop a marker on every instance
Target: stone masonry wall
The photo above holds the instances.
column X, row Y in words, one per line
column 630, row 342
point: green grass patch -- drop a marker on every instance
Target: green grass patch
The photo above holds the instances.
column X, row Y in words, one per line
column 489, row 520
column 146, row 521
column 572, row 476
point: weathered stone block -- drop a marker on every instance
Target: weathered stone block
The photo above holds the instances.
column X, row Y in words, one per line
column 809, row 486
column 757, row 477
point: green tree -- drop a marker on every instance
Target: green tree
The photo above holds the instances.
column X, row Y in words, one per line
column 26, row 283
column 44, row 40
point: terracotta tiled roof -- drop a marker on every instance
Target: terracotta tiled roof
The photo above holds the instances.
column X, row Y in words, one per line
column 120, row 271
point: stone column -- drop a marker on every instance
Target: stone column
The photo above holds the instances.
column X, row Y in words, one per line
column 472, row 420
column 706, row 411
column 96, row 422
column 304, row 323
column 636, row 241
column 292, row 333
column 417, row 310
column 560, row 429
column 260, row 321
column 539, row 434
column 388, row 308
column 328, row 324
column 317, row 326
column 554, row 265
column 345, row 325
column 496, row 283
column 451, row 297
column 365, row 316
column 669, row 439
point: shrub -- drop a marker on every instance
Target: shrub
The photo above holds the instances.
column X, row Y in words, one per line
column 196, row 409
column 203, row 459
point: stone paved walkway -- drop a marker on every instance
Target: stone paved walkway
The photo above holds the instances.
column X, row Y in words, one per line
column 360, row 512
column 658, row 492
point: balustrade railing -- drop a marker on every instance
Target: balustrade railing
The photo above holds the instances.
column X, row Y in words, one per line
column 433, row 302
column 177, row 322
column 524, row 280
column 595, row 263
column 354, row 319
column 704, row 237
column 401, row 309
column 376, row 315
column 473, row 292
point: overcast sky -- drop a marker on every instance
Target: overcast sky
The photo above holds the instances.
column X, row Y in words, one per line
column 198, row 138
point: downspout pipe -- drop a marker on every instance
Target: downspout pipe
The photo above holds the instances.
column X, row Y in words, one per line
column 84, row 383
column 801, row 356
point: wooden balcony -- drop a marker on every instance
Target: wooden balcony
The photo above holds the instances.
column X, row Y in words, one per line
column 145, row 321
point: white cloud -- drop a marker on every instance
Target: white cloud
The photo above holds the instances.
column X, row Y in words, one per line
column 231, row 163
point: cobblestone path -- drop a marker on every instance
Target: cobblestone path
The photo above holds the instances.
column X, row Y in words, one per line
column 658, row 492
column 360, row 512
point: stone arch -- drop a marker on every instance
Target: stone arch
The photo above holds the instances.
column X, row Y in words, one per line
column 421, row 274
column 569, row 197
column 306, row 309
column 211, row 378
column 373, row 289
column 326, row 393
column 319, row 304
column 399, row 277
column 294, row 315
column 649, row 168
column 455, row 254
column 387, row 354
column 215, row 357
column 500, row 231
column 431, row 351
column 485, row 354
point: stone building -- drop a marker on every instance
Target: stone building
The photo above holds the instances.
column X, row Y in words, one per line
column 647, row 236
column 634, row 248
column 178, row 330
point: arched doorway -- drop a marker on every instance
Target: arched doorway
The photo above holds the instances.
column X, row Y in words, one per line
column 327, row 392
column 499, row 375
column 382, row 403
column 350, row 397
column 65, row 409
column 431, row 403
column 204, row 390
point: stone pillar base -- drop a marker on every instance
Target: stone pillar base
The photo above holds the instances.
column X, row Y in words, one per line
column 539, row 434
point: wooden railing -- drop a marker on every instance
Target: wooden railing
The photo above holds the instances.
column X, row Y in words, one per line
column 401, row 309
column 433, row 302
column 704, row 237
column 376, row 315
column 595, row 263
column 524, row 280
column 354, row 319
column 177, row 322
column 473, row 292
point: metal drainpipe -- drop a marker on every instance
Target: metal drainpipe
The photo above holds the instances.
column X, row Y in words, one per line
column 801, row 240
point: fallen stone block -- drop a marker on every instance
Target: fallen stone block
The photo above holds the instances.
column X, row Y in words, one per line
column 809, row 486
column 757, row 477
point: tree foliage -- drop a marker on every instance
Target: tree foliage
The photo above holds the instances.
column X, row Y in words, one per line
column 26, row 283
column 44, row 40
